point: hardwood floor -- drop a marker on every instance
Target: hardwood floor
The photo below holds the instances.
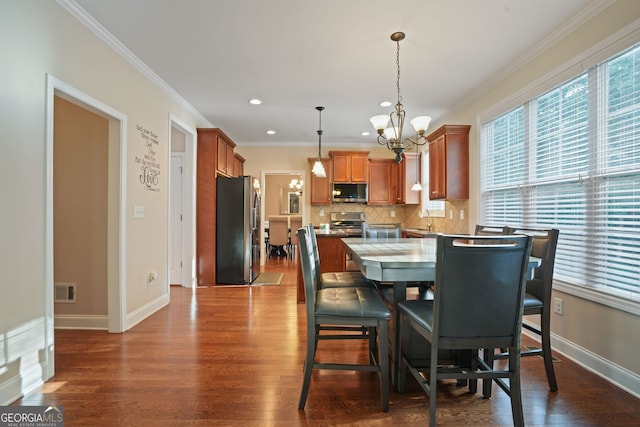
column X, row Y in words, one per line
column 232, row 356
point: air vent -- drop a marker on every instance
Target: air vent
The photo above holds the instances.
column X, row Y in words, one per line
column 65, row 292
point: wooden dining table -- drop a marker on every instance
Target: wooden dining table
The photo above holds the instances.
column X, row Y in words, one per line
column 398, row 261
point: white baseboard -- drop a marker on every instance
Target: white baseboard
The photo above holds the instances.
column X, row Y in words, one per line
column 617, row 375
column 146, row 310
column 79, row 321
column 28, row 379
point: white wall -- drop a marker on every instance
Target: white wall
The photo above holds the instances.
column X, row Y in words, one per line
column 39, row 38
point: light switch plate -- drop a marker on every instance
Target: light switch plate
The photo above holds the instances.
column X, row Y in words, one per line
column 138, row 211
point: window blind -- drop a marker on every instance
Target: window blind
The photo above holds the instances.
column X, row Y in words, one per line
column 570, row 159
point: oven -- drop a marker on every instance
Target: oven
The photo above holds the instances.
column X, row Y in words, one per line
column 347, row 222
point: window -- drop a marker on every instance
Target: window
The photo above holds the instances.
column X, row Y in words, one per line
column 436, row 207
column 570, row 159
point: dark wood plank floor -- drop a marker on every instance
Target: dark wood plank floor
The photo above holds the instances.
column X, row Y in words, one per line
column 233, row 357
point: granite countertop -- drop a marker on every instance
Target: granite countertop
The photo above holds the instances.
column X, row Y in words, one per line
column 330, row 233
column 419, row 232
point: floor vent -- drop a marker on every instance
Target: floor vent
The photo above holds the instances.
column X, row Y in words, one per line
column 65, row 292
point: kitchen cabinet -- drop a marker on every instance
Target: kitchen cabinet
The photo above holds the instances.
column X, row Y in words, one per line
column 390, row 183
column 225, row 154
column 321, row 188
column 383, row 182
column 206, row 206
column 350, row 166
column 238, row 165
column 449, row 162
column 409, row 171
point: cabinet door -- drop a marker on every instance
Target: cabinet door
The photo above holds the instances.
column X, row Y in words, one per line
column 437, row 169
column 359, row 168
column 341, row 168
column 383, row 188
column 321, row 188
column 238, row 165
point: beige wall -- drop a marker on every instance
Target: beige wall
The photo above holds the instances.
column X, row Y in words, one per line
column 40, row 38
column 598, row 336
column 80, row 207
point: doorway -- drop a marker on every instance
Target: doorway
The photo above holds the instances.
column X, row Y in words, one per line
column 279, row 198
column 181, row 252
column 114, row 263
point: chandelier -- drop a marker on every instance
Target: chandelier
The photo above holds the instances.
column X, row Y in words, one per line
column 318, row 168
column 392, row 136
column 296, row 185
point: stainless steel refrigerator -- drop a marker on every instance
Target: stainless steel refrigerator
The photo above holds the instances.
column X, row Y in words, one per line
column 237, row 230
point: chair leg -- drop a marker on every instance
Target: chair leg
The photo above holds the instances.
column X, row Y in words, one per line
column 312, row 344
column 515, row 391
column 487, row 354
column 433, row 385
column 383, row 360
column 546, row 353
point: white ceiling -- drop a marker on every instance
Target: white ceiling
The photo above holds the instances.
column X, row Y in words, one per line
column 298, row 54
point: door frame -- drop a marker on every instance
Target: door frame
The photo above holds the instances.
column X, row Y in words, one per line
column 189, row 279
column 116, row 230
column 263, row 188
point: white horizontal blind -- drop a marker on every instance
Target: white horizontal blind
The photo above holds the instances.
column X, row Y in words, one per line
column 570, row 159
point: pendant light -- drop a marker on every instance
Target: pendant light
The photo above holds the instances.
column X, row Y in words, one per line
column 318, row 167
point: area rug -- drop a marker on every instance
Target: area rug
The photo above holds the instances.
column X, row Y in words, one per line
column 268, row 278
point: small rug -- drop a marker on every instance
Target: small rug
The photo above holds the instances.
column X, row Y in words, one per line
column 268, row 278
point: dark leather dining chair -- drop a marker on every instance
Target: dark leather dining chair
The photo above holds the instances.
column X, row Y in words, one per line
column 356, row 312
column 379, row 231
column 490, row 230
column 335, row 279
column 537, row 300
column 478, row 303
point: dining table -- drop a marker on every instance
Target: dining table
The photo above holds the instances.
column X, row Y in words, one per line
column 397, row 262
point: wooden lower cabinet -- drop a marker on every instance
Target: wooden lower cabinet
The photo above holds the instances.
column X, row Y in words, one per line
column 332, row 258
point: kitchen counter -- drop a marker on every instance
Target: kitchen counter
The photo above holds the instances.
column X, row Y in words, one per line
column 420, row 233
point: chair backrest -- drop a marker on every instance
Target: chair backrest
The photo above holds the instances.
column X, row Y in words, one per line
column 310, row 272
column 311, row 234
column 378, row 231
column 479, row 292
column 278, row 230
column 490, row 230
column 545, row 242
column 295, row 222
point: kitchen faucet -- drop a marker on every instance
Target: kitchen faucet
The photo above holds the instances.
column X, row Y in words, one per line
column 429, row 224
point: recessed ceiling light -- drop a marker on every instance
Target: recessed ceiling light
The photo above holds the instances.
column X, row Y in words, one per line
column 271, row 132
column 255, row 101
column 385, row 104
column 365, row 133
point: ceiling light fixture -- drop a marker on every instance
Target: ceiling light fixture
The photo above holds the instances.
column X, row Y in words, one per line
column 417, row 186
column 318, row 167
column 255, row 101
column 392, row 136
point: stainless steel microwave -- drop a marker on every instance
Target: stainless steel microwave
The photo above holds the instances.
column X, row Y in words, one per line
column 350, row 192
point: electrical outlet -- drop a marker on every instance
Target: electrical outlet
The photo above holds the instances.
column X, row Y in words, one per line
column 321, row 213
column 451, row 214
column 557, row 306
column 461, row 214
column 393, row 214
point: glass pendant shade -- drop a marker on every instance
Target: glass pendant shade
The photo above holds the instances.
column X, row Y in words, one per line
column 379, row 122
column 416, row 187
column 421, row 123
column 390, row 133
column 318, row 169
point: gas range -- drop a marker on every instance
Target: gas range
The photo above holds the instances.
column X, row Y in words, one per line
column 347, row 222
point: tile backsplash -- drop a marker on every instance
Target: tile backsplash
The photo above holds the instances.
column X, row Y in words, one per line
column 405, row 214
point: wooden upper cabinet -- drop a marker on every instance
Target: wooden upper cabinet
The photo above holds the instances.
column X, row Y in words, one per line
column 409, row 171
column 225, row 155
column 449, row 163
column 383, row 182
column 350, row 166
column 321, row 188
column 238, row 165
